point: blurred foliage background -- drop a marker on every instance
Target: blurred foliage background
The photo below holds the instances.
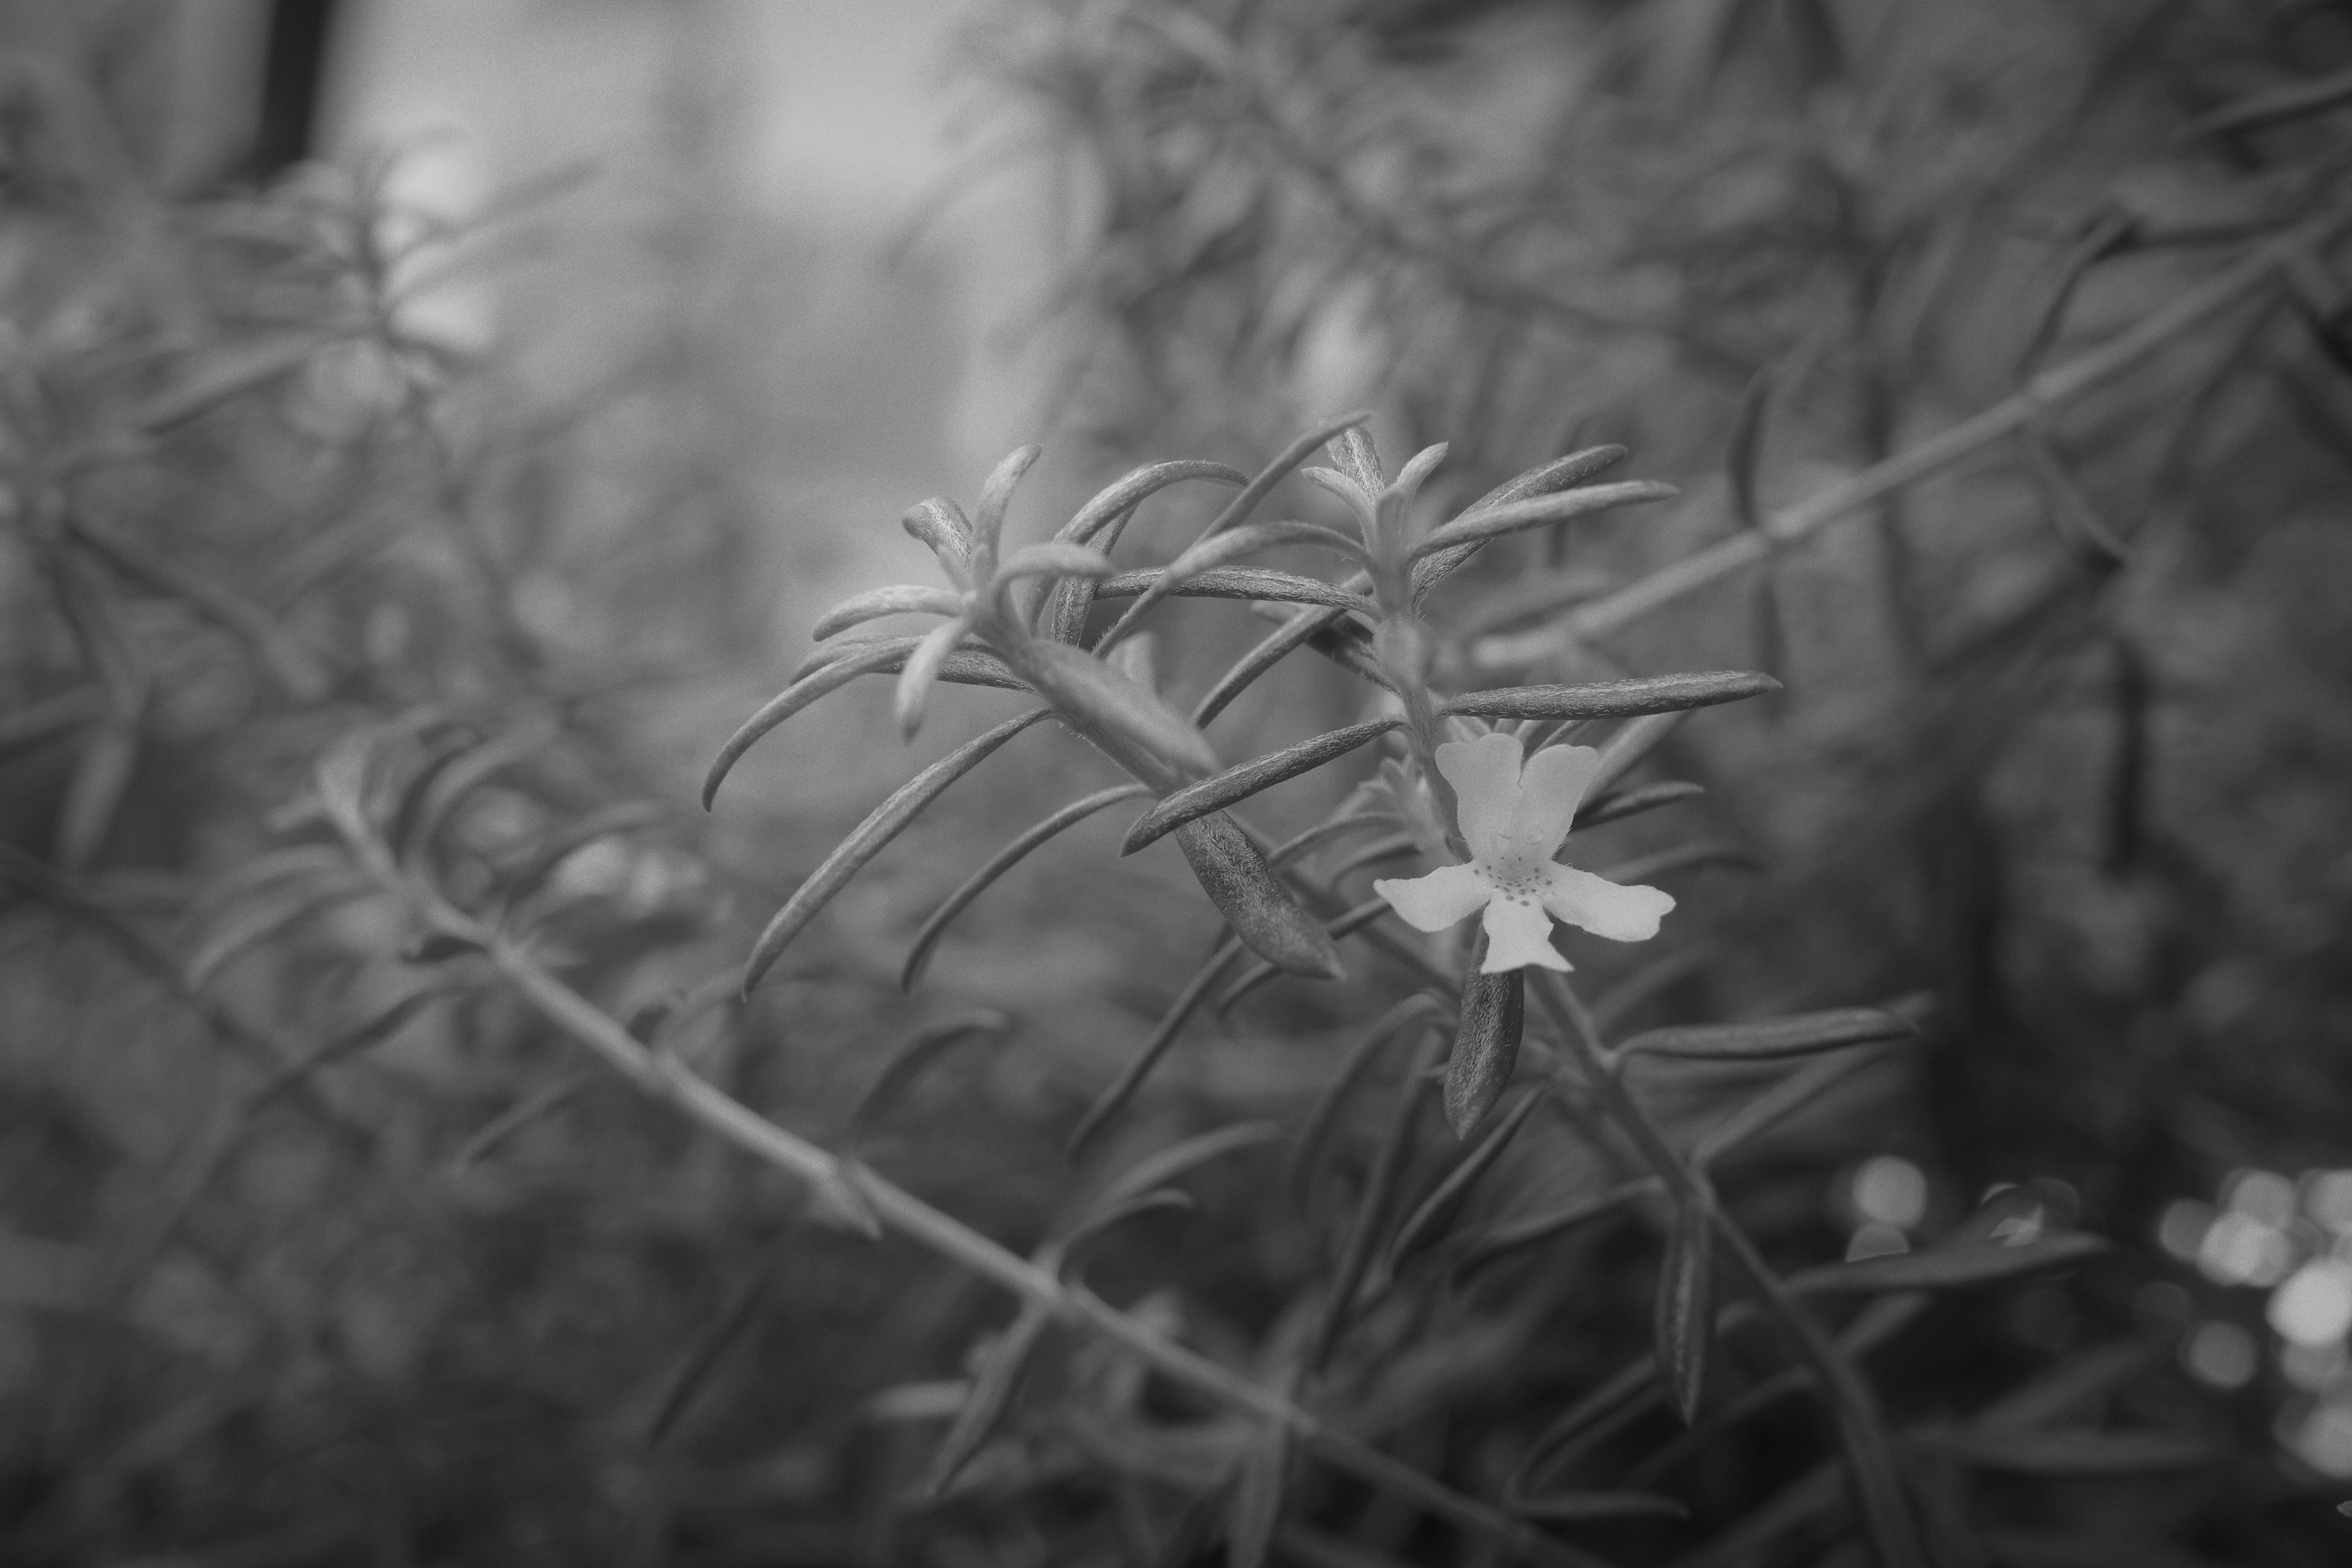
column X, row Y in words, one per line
column 316, row 1247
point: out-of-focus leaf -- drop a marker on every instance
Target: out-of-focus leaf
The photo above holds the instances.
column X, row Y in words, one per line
column 540, row 1102
column 1417, row 1012
column 415, row 832
column 1950, row 1267
column 1435, row 1212
column 1632, row 744
column 2069, row 509
column 1791, row 1093
column 1743, row 453
column 1650, row 981
column 708, row 1348
column 1685, row 1321
column 94, row 790
column 1254, row 903
column 2072, row 1384
column 1101, row 1221
column 2030, row 1453
column 45, row 720
column 1291, row 636
column 1372, row 1208
column 1530, row 598
column 1256, row 584
column 1613, row 699
column 868, row 839
column 2275, row 106
column 1161, row 1166
column 1767, row 1039
column 918, row 1053
column 1171, row 1022
column 224, row 374
column 1526, row 1231
column 897, row 599
column 298, row 670
column 1571, row 1508
column 1308, row 840
column 1473, row 528
column 1240, row 783
column 1372, row 854
column 1133, row 726
column 1684, row 857
column 1255, row 1509
column 1633, row 802
column 550, row 853
column 995, row 1380
column 1485, row 1044
column 919, row 957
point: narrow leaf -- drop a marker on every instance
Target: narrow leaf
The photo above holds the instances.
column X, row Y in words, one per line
column 1487, row 1044
column 1791, row 1094
column 1948, row 1267
column 1240, row 783
column 1237, row 511
column 919, row 1053
column 927, row 941
column 1132, row 725
column 1371, row 1210
column 912, row 698
column 2074, row 1453
column 1417, row 1012
column 1512, row 1235
column 886, row 653
column 1108, row 1104
column 1573, row 1508
column 939, row 523
column 1475, row 528
column 1181, row 1158
column 1548, row 479
column 1744, row 452
column 1436, row 1210
column 1770, row 1039
column 1125, row 494
column 1613, row 699
column 1633, row 802
column 1253, row 901
column 898, row 599
column 1256, row 1511
column 2275, row 106
column 967, row 666
column 995, row 498
column 1259, row 584
column 995, row 1380
column 869, row 837
column 1293, row 633
column 1683, row 858
column 1684, row 1320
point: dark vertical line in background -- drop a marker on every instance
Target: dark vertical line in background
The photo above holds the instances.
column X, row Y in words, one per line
column 292, row 70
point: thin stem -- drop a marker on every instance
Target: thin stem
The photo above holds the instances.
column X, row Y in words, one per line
column 1600, row 617
column 863, row 1192
column 1868, row 1449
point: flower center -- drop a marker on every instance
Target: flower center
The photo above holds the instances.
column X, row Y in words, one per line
column 1515, row 875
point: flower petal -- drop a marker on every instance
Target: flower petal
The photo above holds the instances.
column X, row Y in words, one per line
column 1551, row 787
column 1446, row 896
column 1518, row 933
column 1602, row 907
column 1485, row 774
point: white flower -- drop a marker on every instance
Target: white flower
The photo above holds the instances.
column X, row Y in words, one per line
column 1514, row 819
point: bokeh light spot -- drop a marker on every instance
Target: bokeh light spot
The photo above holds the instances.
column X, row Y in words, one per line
column 2314, row 1307
column 1890, row 1191
column 2220, row 1354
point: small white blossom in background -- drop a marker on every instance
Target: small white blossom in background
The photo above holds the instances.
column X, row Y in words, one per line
column 1514, row 814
